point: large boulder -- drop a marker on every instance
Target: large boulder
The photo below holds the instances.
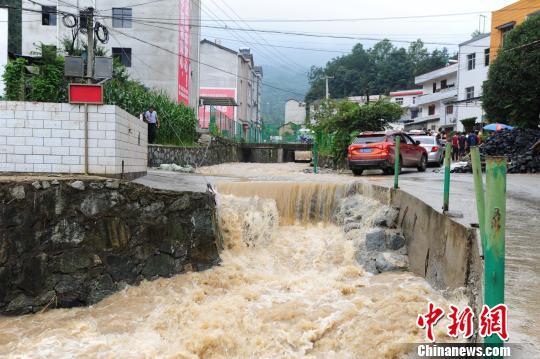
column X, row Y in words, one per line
column 388, row 261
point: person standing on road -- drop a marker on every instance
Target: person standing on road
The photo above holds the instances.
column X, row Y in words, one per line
column 455, row 147
column 462, row 145
column 152, row 119
column 472, row 139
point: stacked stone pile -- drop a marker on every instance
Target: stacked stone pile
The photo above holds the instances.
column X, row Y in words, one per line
column 520, row 146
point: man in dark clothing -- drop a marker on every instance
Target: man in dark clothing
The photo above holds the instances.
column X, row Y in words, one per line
column 462, row 144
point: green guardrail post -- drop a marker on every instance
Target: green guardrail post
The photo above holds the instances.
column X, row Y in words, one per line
column 447, row 160
column 495, row 221
column 480, row 195
column 396, row 162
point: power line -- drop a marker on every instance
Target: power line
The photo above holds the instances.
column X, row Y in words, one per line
column 263, row 53
column 202, row 63
column 276, row 51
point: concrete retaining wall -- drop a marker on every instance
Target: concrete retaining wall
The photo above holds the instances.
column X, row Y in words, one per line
column 66, row 243
column 443, row 251
column 49, row 137
column 219, row 151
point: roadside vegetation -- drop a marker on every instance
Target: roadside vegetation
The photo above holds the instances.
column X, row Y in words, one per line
column 512, row 91
column 337, row 123
column 43, row 81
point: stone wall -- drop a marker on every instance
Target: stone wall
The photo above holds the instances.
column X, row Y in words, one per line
column 219, row 151
column 50, row 137
column 67, row 242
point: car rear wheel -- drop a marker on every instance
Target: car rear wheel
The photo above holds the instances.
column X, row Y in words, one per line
column 390, row 170
column 423, row 164
column 357, row 172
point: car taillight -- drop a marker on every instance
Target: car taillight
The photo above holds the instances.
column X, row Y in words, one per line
column 434, row 149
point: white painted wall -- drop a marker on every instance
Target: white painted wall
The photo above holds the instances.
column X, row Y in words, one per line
column 49, row 137
column 3, row 45
column 471, row 78
column 295, row 111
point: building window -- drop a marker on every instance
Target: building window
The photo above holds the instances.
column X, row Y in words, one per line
column 431, row 110
column 469, row 92
column 471, row 61
column 48, row 15
column 121, row 17
column 399, row 100
column 486, row 57
column 414, row 113
column 434, row 87
column 443, row 84
column 449, row 109
column 123, row 54
column 505, row 29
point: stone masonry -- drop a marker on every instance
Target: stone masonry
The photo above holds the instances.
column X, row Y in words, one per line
column 68, row 242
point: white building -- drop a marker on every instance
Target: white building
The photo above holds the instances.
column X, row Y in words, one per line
column 473, row 71
column 160, row 56
column 407, row 100
column 3, row 44
column 435, row 105
column 228, row 74
column 295, row 112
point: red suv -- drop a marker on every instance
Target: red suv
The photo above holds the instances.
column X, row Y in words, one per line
column 371, row 150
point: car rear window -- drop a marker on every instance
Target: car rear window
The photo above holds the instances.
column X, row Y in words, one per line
column 369, row 139
column 424, row 140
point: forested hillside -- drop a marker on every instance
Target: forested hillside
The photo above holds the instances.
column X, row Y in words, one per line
column 378, row 70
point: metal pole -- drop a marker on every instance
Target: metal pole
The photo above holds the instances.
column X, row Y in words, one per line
column 447, row 159
column 495, row 235
column 480, row 195
column 396, row 161
column 86, row 139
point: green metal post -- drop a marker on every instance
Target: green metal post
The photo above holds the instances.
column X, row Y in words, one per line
column 495, row 221
column 315, row 157
column 447, row 160
column 480, row 195
column 396, row 162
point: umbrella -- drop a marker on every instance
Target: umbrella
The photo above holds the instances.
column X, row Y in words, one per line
column 497, row 127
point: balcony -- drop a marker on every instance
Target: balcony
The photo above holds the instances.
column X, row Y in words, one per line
column 436, row 74
column 441, row 95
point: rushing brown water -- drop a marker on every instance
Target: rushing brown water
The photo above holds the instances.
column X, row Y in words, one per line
column 281, row 292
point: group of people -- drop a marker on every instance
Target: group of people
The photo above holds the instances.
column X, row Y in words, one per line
column 462, row 143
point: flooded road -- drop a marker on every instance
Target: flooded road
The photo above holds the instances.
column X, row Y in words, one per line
column 285, row 289
column 522, row 227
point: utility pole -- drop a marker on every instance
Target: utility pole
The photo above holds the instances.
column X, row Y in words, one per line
column 327, row 91
column 89, row 75
column 90, row 48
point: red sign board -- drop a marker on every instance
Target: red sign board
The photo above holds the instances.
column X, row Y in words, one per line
column 86, row 93
column 184, row 43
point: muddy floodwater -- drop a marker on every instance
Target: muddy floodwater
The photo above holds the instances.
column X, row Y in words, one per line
column 284, row 289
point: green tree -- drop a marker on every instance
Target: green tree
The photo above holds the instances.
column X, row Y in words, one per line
column 512, row 90
column 345, row 119
column 379, row 70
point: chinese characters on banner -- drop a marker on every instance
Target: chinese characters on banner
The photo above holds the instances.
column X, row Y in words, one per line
column 204, row 112
column 492, row 321
column 184, row 43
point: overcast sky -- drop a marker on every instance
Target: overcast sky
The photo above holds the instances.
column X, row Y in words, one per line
column 448, row 30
